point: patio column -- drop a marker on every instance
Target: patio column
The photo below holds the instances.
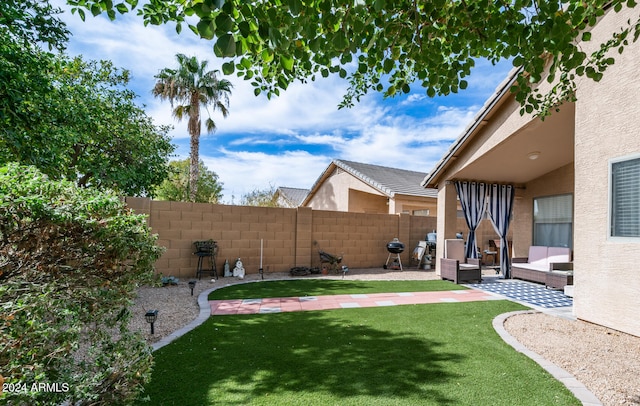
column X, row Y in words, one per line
column 447, row 218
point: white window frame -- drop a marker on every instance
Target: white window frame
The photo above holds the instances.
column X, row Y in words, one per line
column 610, row 235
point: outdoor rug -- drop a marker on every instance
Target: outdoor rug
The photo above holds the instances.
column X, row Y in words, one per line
column 526, row 292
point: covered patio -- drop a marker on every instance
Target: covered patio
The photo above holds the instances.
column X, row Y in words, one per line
column 505, row 163
column 567, row 175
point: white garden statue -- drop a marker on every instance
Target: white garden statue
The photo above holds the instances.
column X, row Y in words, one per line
column 238, row 270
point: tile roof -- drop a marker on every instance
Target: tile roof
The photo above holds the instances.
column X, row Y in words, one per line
column 390, row 181
column 294, row 196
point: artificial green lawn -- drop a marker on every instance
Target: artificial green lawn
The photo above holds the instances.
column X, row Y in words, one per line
column 435, row 354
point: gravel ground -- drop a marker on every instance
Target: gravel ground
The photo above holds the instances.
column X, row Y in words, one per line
column 606, row 361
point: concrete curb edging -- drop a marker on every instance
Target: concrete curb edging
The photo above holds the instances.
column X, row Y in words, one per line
column 205, row 312
column 580, row 391
column 576, row 387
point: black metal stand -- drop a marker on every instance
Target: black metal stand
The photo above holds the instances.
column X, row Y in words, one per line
column 206, row 249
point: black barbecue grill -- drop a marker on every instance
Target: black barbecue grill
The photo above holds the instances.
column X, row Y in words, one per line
column 394, row 247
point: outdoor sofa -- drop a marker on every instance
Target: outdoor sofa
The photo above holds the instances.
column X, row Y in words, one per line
column 549, row 265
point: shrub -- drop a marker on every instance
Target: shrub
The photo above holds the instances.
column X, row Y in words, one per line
column 169, row 280
column 70, row 262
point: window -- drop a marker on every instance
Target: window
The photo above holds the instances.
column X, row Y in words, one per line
column 553, row 221
column 625, row 198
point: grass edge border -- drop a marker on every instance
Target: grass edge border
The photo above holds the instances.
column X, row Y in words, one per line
column 576, row 387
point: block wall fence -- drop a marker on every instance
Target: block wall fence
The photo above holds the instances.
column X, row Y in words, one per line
column 291, row 237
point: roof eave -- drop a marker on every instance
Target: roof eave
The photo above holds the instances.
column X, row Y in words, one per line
column 432, row 179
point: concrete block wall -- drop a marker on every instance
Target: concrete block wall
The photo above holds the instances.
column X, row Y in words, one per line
column 360, row 238
column 291, row 237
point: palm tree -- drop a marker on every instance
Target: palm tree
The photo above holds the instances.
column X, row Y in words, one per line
column 190, row 86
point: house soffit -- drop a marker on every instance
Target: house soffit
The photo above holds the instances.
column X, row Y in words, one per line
column 551, row 140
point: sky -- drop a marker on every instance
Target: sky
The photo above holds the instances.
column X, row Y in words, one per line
column 291, row 139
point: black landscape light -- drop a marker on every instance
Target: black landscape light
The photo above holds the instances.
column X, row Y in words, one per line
column 151, row 316
column 192, row 284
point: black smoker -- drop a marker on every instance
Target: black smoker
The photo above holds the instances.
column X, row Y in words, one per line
column 394, row 247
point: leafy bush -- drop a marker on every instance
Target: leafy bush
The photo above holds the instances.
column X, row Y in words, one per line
column 70, row 262
column 169, row 280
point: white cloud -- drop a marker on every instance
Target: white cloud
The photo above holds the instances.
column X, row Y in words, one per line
column 302, row 107
column 129, row 44
column 412, row 98
column 288, row 140
column 334, row 139
column 258, row 140
column 251, row 171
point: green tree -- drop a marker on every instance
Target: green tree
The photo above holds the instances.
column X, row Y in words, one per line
column 392, row 44
column 191, row 85
column 76, row 120
column 176, row 186
column 260, row 197
column 71, row 260
column 32, row 21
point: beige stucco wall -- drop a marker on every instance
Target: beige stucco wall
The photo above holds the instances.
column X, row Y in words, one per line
column 363, row 202
column 333, row 194
column 607, row 287
column 410, row 204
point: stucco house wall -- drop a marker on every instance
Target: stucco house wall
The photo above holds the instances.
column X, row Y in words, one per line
column 335, row 194
column 414, row 205
column 363, row 202
column 607, row 286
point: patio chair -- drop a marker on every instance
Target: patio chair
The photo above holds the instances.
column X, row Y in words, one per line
column 455, row 267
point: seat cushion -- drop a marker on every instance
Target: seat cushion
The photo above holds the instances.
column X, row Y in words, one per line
column 533, row 267
column 559, row 254
column 454, row 249
column 538, row 256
